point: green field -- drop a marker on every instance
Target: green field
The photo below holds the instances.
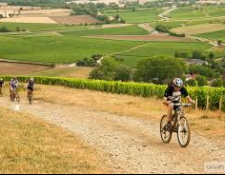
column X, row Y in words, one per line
column 164, row 49
column 219, row 35
column 197, row 12
column 137, row 16
column 129, row 30
column 41, row 27
column 57, row 49
column 176, row 24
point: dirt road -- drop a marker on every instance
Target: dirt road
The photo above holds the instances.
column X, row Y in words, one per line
column 131, row 145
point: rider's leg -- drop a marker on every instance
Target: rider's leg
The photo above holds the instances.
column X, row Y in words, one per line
column 170, row 113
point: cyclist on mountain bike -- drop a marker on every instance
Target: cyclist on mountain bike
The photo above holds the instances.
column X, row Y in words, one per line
column 1, row 86
column 30, row 89
column 30, row 85
column 13, row 85
column 173, row 95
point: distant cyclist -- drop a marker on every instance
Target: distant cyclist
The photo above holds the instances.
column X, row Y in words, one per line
column 1, row 86
column 30, row 85
column 14, row 86
column 173, row 95
column 30, row 89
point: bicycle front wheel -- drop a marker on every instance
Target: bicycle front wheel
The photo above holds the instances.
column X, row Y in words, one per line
column 166, row 134
column 184, row 132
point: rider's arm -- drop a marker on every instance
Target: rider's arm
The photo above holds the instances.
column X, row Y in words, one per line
column 190, row 100
column 168, row 93
column 166, row 102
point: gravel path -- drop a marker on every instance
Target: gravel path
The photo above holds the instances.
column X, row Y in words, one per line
column 131, row 145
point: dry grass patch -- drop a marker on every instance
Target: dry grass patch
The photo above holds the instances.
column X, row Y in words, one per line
column 32, row 20
column 29, row 145
column 20, row 69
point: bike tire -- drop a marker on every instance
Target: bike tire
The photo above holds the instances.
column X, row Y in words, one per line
column 166, row 136
column 184, row 132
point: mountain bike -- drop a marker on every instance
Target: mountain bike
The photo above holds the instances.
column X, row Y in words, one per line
column 14, row 96
column 179, row 125
column 30, row 96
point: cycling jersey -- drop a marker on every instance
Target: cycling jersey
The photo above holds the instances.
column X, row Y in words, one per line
column 30, row 85
column 14, row 84
column 174, row 96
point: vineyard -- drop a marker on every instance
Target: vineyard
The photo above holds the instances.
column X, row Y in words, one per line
column 214, row 98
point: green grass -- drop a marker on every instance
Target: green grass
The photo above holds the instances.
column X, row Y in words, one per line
column 218, row 35
column 162, row 48
column 201, row 12
column 57, row 49
column 129, row 30
column 137, row 16
column 40, row 27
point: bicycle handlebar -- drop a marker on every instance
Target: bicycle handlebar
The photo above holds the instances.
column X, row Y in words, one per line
column 182, row 104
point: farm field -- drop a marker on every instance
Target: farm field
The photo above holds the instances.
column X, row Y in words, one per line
column 161, row 49
column 143, row 38
column 197, row 29
column 137, row 16
column 197, row 12
column 80, row 19
column 184, row 23
column 71, row 46
column 40, row 27
column 69, row 72
column 19, row 69
column 69, row 49
column 33, row 20
column 127, row 30
column 45, row 12
column 218, row 35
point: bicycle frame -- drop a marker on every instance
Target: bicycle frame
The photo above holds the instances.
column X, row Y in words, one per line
column 179, row 113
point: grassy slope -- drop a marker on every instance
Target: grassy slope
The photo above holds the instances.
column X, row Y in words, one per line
column 159, row 48
column 191, row 12
column 29, row 145
column 58, row 49
column 70, row 48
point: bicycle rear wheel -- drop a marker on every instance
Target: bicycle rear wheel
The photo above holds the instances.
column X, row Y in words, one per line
column 166, row 135
column 184, row 132
column 30, row 98
column 17, row 98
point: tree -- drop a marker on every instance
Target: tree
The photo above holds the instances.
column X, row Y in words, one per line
column 161, row 68
column 123, row 73
column 218, row 82
column 191, row 82
column 202, row 81
column 211, row 56
column 162, row 28
column 202, row 70
column 220, row 42
column 111, row 70
column 198, row 55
